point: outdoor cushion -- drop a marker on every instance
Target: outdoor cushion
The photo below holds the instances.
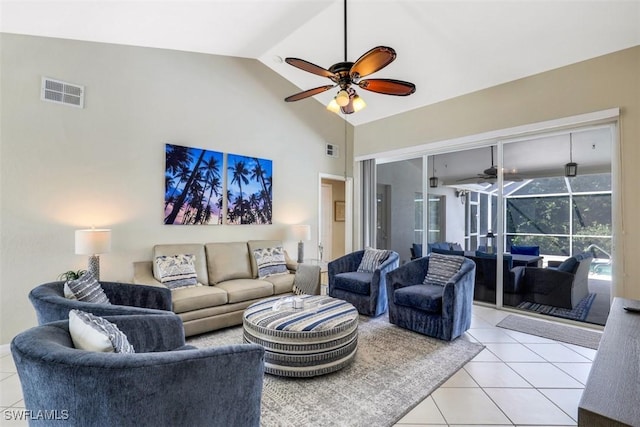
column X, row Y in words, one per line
column 354, row 281
column 569, row 265
column 446, row 251
column 422, row 297
column 525, row 250
column 417, row 250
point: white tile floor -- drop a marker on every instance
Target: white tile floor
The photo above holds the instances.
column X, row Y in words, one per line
column 517, row 380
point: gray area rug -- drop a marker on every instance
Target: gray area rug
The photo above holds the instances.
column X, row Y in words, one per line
column 394, row 370
column 554, row 331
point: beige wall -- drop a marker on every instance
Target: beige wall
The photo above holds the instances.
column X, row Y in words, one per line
column 64, row 168
column 606, row 82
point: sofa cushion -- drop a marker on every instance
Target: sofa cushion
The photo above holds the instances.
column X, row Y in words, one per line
column 261, row 244
column 422, row 297
column 177, row 271
column 86, row 288
column 442, row 268
column 93, row 333
column 239, row 290
column 358, row 282
column 195, row 298
column 282, row 283
column 372, row 259
column 270, row 261
column 195, row 249
column 228, row 261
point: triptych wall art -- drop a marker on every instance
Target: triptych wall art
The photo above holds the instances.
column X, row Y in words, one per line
column 204, row 187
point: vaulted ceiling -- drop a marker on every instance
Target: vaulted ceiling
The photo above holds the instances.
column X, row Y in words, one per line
column 447, row 48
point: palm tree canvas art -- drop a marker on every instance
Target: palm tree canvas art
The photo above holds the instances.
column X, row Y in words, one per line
column 249, row 196
column 193, row 186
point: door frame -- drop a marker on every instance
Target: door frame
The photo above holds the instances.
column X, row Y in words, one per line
column 348, row 208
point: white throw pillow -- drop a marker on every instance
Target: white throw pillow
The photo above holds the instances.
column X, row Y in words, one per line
column 93, row 333
column 270, row 261
column 86, row 288
column 177, row 271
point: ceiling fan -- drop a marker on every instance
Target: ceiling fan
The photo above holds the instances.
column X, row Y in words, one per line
column 348, row 74
column 491, row 174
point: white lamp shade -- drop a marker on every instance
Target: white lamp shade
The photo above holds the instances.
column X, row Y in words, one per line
column 301, row 232
column 93, row 241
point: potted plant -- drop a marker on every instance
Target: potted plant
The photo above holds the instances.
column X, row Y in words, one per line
column 71, row 275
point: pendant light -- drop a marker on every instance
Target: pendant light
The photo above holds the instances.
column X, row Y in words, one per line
column 433, row 181
column 571, row 168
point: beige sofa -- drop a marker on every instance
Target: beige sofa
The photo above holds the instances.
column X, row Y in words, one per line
column 229, row 275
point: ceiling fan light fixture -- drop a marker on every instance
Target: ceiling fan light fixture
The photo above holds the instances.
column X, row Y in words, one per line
column 358, row 103
column 333, row 106
column 342, row 98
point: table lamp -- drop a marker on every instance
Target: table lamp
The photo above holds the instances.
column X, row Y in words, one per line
column 93, row 242
column 301, row 232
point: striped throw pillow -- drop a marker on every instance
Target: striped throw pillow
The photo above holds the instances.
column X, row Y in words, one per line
column 442, row 268
column 270, row 261
column 372, row 259
column 93, row 333
column 85, row 288
column 177, row 271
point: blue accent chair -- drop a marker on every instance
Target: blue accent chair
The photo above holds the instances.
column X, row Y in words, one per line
column 164, row 383
column 436, row 311
column 366, row 291
column 51, row 305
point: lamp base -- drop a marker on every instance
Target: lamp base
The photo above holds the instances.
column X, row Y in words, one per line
column 300, row 252
column 94, row 266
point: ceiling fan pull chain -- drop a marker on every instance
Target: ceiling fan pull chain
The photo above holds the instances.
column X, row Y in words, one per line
column 345, row 30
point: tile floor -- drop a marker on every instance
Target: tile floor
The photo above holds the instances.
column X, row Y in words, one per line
column 517, row 380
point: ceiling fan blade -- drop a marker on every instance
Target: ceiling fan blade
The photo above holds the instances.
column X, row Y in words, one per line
column 307, row 93
column 372, row 61
column 309, row 67
column 388, row 86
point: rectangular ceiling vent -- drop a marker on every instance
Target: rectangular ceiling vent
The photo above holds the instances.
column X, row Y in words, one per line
column 62, row 92
column 332, row 150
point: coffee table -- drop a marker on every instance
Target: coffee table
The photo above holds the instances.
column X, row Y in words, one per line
column 315, row 340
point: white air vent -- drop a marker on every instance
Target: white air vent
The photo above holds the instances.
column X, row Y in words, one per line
column 62, row 92
column 332, row 150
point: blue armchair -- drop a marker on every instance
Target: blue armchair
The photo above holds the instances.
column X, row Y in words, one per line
column 163, row 383
column 51, row 305
column 442, row 312
column 366, row 291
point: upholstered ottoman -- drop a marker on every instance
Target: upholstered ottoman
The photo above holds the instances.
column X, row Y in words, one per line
column 319, row 338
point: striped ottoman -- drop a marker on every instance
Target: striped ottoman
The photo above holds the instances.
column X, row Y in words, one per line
column 320, row 338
